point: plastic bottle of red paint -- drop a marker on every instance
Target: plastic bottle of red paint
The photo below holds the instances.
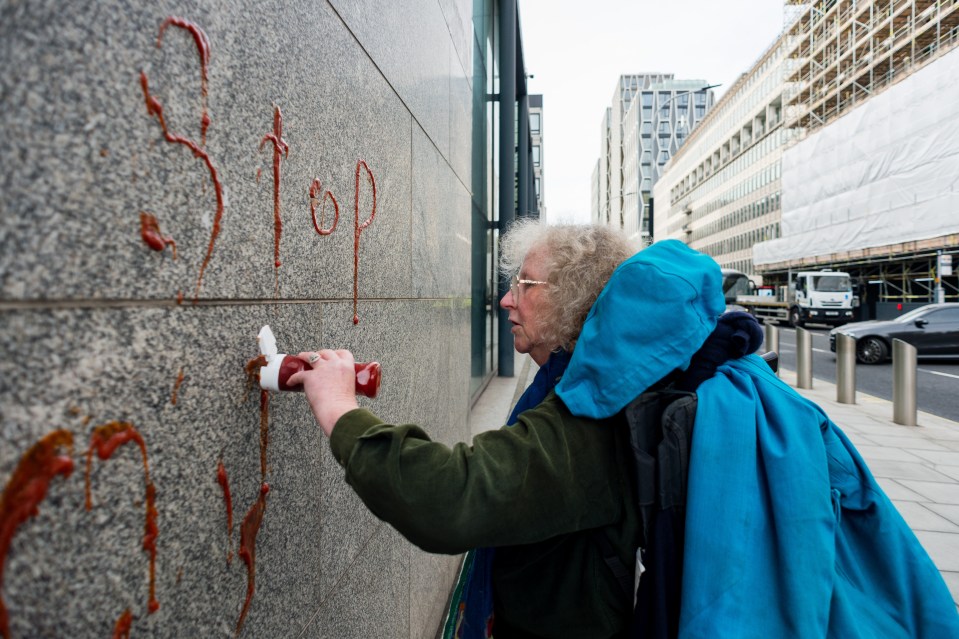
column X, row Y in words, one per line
column 280, row 367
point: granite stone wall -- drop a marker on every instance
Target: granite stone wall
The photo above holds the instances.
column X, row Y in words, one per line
column 215, row 118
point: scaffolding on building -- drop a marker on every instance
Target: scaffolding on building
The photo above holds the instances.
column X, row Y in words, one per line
column 847, row 50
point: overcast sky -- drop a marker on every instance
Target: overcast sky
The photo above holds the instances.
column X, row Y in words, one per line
column 577, row 50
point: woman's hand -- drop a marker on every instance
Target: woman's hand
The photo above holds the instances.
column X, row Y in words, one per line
column 330, row 386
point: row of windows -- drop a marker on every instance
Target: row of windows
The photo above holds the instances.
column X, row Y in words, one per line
column 743, row 214
column 754, row 154
column 742, row 242
column 744, row 189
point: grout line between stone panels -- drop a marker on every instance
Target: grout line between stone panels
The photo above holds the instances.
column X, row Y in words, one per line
column 33, row 305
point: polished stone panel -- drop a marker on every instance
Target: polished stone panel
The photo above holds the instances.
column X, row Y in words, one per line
column 85, row 158
column 441, row 229
column 410, row 43
column 90, row 331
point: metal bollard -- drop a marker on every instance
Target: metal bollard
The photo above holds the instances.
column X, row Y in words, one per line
column 845, row 369
column 771, row 340
column 803, row 358
column 903, row 383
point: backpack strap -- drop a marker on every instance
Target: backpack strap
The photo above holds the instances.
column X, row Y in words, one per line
column 660, row 431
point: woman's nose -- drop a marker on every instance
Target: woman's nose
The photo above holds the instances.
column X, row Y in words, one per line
column 507, row 300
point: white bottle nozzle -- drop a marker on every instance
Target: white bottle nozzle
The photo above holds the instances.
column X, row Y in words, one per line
column 266, row 342
column 269, row 374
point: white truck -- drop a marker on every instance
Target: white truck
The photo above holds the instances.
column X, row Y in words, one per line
column 817, row 297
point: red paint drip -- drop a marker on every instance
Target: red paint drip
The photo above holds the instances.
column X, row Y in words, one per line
column 280, row 148
column 26, row 488
column 122, row 628
column 315, row 189
column 105, row 440
column 203, row 48
column 264, row 430
column 150, row 232
column 224, row 481
column 247, row 552
column 176, row 386
column 358, row 228
column 154, row 108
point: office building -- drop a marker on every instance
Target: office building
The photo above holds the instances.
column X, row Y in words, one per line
column 650, row 116
column 720, row 192
column 869, row 179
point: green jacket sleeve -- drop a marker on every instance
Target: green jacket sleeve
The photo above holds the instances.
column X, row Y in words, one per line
column 549, row 474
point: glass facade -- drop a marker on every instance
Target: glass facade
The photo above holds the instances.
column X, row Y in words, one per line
column 485, row 183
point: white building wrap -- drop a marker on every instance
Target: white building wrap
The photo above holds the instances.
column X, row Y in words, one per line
column 885, row 173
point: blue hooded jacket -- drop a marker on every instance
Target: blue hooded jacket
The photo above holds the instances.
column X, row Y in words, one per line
column 787, row 532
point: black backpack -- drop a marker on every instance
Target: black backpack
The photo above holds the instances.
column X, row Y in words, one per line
column 660, row 434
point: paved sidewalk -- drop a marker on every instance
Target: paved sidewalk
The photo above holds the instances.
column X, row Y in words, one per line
column 917, row 466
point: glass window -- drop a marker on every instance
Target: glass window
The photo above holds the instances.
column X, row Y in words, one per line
column 646, row 128
column 663, row 128
column 647, row 157
column 682, row 99
column 663, row 156
column 534, row 123
column 536, row 154
column 647, row 99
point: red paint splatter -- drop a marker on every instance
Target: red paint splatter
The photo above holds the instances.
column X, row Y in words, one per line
column 150, row 232
column 247, row 552
column 176, row 386
column 358, row 228
column 315, row 188
column 224, row 481
column 122, row 628
column 105, row 440
column 280, row 148
column 25, row 490
column 203, row 49
column 155, row 109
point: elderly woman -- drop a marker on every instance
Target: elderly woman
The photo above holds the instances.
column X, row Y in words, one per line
column 536, row 490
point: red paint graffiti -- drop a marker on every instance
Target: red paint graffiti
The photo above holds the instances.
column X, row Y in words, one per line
column 155, row 109
column 150, row 232
column 280, row 149
column 315, row 189
column 224, row 481
column 25, row 490
column 358, row 228
column 105, row 440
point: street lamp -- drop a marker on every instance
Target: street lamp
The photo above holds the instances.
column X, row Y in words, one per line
column 681, row 121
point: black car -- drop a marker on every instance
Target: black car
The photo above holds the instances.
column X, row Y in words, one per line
column 933, row 329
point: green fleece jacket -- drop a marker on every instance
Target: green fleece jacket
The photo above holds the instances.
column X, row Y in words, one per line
column 535, row 490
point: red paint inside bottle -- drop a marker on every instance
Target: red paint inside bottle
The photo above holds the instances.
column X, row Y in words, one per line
column 368, row 375
column 26, row 488
column 105, row 440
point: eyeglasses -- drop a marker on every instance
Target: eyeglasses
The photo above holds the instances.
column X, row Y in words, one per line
column 515, row 282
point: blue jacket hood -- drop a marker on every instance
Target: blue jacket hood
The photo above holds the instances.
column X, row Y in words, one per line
column 655, row 312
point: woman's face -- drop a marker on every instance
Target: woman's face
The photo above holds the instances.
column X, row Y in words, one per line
column 526, row 309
